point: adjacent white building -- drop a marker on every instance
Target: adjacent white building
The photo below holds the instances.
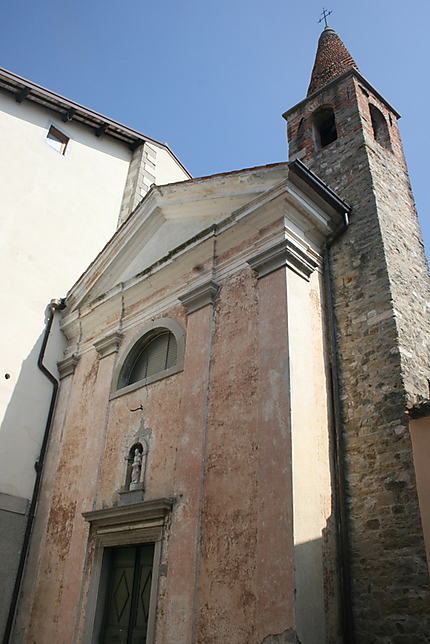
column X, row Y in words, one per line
column 69, row 177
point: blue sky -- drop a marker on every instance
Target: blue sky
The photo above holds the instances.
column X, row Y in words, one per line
column 213, row 78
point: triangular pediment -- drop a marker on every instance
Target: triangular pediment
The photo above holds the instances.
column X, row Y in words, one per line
column 166, row 219
column 172, row 218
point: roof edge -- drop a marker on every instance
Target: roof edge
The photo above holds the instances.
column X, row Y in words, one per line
column 301, row 170
column 90, row 118
column 152, row 191
column 297, row 167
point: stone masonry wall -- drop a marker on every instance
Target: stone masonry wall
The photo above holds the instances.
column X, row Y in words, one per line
column 380, row 288
column 141, row 175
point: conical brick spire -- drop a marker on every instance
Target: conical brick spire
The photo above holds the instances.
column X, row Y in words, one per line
column 331, row 60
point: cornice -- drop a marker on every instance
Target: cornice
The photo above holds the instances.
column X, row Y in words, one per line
column 156, row 509
column 284, row 253
column 109, row 344
column 147, row 214
column 78, row 294
column 66, row 367
column 200, row 296
column 353, row 72
column 156, row 200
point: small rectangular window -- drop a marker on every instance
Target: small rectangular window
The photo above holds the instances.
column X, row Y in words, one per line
column 57, row 140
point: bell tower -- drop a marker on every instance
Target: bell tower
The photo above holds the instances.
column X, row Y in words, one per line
column 347, row 133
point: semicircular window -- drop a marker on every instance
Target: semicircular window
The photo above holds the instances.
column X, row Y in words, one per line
column 151, row 357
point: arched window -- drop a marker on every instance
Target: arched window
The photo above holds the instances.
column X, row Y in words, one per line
column 380, row 127
column 156, row 353
column 324, row 126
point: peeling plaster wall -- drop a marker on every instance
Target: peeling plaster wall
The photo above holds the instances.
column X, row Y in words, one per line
column 47, row 201
column 227, row 601
column 226, row 439
column 230, row 573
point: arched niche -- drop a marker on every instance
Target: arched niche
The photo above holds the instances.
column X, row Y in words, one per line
column 380, row 129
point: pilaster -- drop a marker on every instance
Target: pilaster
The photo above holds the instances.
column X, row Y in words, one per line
column 184, row 564
column 285, row 253
column 199, row 296
column 109, row 344
column 275, row 608
column 67, row 366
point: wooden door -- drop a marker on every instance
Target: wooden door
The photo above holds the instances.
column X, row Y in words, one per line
column 125, row 619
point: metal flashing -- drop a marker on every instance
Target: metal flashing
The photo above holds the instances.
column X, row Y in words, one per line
column 317, row 184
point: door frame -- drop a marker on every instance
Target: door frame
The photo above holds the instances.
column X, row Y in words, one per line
column 127, row 525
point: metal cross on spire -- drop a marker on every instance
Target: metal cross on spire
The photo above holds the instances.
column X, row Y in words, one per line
column 324, row 16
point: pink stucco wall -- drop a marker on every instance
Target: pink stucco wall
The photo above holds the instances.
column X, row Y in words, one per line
column 219, row 444
column 420, row 435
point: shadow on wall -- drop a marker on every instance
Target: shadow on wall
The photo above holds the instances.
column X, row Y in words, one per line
column 21, row 435
column 25, row 417
column 317, row 593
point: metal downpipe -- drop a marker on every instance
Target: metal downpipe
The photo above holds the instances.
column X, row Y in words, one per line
column 54, row 305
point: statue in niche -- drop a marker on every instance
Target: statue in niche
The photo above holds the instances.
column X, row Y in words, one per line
column 137, row 466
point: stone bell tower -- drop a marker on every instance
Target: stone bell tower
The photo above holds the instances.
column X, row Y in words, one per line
column 347, row 133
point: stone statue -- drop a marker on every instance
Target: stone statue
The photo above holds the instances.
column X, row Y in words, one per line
column 136, row 466
column 136, row 469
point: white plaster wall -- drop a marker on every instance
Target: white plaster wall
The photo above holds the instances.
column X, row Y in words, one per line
column 310, row 449
column 57, row 212
column 170, row 235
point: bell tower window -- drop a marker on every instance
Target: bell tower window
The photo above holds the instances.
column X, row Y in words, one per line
column 380, row 127
column 324, row 126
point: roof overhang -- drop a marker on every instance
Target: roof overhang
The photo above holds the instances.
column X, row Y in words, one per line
column 303, row 174
column 25, row 90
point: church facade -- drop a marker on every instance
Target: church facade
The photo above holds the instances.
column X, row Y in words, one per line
column 231, row 457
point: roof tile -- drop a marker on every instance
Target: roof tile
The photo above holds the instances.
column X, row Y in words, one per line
column 331, row 60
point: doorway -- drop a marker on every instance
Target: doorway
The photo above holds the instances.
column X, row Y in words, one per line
column 128, row 592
